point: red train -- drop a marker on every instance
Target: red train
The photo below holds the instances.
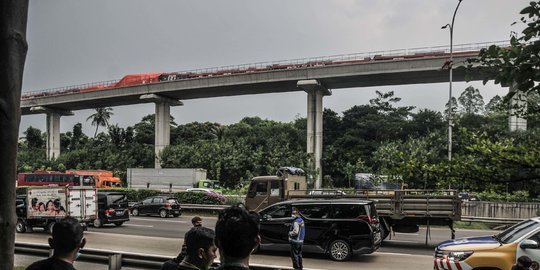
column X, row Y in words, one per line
column 155, row 77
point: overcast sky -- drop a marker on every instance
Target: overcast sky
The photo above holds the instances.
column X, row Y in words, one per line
column 74, row 42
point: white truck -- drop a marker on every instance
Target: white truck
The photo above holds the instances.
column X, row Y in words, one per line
column 44, row 206
column 165, row 179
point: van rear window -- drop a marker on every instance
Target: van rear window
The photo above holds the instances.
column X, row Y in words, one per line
column 349, row 211
column 117, row 199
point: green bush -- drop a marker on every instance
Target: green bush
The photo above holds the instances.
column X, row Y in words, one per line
column 235, row 199
column 196, row 198
column 21, row 190
column 516, row 196
column 135, row 195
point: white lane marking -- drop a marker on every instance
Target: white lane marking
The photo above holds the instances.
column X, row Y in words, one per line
column 282, row 267
column 135, row 236
column 407, row 233
column 159, row 220
column 401, row 241
column 138, row 225
column 402, row 254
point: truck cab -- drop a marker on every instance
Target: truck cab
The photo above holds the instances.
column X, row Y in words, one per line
column 400, row 211
column 267, row 190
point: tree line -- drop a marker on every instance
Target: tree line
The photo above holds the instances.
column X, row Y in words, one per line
column 381, row 137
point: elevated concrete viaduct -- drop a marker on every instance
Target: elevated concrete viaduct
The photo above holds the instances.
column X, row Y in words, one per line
column 315, row 81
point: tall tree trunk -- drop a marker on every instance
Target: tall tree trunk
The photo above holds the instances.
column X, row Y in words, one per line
column 13, row 47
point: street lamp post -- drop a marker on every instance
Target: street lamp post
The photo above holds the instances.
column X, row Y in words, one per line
column 450, row 67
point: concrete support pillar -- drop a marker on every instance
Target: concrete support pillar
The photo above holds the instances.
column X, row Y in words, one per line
column 162, row 123
column 315, row 93
column 518, row 110
column 163, row 129
column 53, row 129
column 53, row 135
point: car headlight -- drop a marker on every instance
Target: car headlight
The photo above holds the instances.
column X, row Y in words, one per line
column 456, row 255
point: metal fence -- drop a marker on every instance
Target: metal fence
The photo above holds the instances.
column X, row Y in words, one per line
column 116, row 259
column 500, row 210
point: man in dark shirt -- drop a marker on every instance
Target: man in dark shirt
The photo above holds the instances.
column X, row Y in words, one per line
column 200, row 249
column 196, row 221
column 173, row 263
column 237, row 235
column 67, row 239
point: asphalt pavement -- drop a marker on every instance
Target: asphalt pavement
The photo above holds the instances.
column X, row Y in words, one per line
column 156, row 236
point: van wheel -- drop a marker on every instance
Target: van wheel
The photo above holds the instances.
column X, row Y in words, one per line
column 20, row 227
column 340, row 250
column 384, row 231
column 97, row 223
column 118, row 223
column 163, row 213
column 135, row 212
column 50, row 226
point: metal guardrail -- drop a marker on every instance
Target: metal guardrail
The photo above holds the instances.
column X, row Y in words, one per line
column 215, row 207
column 502, row 221
column 491, row 220
column 116, row 259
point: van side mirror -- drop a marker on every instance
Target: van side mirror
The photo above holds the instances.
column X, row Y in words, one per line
column 528, row 243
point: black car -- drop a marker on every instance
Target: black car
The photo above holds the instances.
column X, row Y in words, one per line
column 112, row 208
column 163, row 206
column 336, row 227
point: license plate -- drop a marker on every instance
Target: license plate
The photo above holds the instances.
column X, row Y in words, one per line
column 176, row 211
column 119, row 213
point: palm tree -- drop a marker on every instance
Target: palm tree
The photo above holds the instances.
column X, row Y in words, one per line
column 100, row 118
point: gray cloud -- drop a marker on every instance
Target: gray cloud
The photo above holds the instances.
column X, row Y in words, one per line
column 73, row 42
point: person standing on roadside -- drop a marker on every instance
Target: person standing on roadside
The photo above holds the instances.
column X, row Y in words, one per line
column 196, row 221
column 297, row 232
column 67, row 240
column 174, row 263
column 200, row 249
column 237, row 235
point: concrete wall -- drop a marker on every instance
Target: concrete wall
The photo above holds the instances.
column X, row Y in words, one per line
column 162, row 178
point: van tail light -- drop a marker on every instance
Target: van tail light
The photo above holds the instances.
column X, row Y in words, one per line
column 168, row 205
column 369, row 220
column 109, row 212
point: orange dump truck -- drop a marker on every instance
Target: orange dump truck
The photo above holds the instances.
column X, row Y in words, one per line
column 104, row 179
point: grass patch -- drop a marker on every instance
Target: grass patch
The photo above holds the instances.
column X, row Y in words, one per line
column 471, row 225
column 19, row 268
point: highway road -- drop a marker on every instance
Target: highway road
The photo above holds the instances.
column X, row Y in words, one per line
column 153, row 235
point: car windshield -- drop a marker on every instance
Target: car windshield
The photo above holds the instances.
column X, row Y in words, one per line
column 517, row 231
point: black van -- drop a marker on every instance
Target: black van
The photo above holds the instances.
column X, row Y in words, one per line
column 112, row 208
column 336, row 227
